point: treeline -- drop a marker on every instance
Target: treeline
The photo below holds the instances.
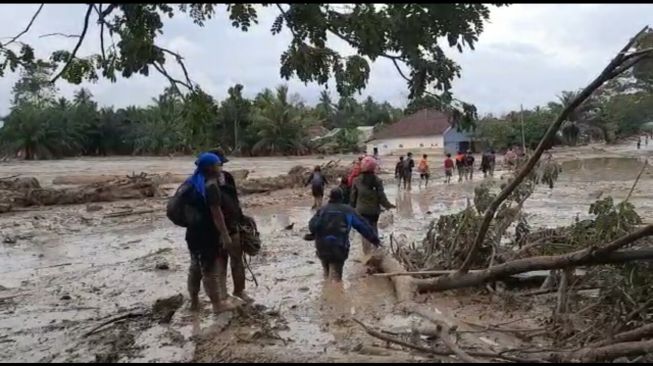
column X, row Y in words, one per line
column 605, row 117
column 41, row 124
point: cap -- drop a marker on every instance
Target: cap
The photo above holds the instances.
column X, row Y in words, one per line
column 220, row 153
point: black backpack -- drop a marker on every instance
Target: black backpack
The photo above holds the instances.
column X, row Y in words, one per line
column 249, row 236
column 333, row 225
column 181, row 209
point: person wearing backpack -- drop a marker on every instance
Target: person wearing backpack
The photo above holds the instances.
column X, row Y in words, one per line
column 367, row 196
column 233, row 216
column 207, row 236
column 330, row 227
column 317, row 182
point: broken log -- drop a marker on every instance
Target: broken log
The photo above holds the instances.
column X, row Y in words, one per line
column 602, row 255
column 385, row 262
column 416, row 273
column 611, row 352
column 629, row 336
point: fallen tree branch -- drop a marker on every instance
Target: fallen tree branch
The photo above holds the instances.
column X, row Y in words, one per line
column 606, row 353
column 442, row 333
column 601, row 255
column 127, row 213
column 429, row 273
column 115, row 320
column 632, row 188
column 631, row 335
column 604, row 76
column 434, row 351
column 632, row 314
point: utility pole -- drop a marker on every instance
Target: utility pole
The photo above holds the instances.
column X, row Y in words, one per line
column 523, row 139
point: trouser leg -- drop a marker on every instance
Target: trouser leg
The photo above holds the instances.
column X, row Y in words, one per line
column 235, row 251
column 214, row 279
column 336, row 269
column 325, row 268
column 194, row 281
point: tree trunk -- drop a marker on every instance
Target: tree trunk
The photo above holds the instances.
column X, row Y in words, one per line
column 602, row 255
column 385, row 262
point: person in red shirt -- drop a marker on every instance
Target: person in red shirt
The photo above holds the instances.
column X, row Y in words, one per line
column 355, row 171
column 448, row 169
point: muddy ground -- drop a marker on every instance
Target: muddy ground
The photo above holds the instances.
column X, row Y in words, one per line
column 66, row 270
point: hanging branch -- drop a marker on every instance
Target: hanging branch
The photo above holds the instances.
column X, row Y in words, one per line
column 188, row 84
column 614, row 68
column 29, row 25
column 79, row 43
column 59, row 34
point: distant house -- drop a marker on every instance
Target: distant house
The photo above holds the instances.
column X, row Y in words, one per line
column 427, row 130
column 364, row 133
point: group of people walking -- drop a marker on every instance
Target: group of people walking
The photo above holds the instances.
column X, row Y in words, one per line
column 207, row 205
column 356, row 203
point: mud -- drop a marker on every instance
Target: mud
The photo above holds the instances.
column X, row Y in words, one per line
column 65, row 269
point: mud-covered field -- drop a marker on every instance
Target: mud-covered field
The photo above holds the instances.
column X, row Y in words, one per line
column 66, row 270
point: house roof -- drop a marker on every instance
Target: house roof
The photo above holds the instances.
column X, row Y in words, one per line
column 422, row 123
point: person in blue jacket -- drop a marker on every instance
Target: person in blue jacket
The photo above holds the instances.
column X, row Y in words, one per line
column 330, row 227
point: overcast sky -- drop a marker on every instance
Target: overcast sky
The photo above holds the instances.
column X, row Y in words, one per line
column 527, row 54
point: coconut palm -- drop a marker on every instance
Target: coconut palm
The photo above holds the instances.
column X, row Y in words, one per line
column 39, row 132
column 278, row 124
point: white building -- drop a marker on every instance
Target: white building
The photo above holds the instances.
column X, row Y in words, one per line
column 426, row 130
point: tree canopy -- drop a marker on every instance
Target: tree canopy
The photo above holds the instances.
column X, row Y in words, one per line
column 129, row 33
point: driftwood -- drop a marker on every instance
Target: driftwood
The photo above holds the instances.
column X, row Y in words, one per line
column 385, row 262
column 165, row 178
column 618, row 65
column 131, row 187
column 295, row 178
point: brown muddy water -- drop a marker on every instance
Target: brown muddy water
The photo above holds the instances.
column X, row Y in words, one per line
column 64, row 271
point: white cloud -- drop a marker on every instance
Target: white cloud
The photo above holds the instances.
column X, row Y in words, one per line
column 527, row 54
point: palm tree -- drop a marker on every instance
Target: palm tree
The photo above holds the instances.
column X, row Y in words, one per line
column 39, row 131
column 278, row 124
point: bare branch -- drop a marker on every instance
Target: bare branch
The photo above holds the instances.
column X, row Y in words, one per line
column 59, row 35
column 632, row 188
column 605, row 75
column 394, row 61
column 36, row 14
column 189, row 83
column 98, row 9
column 161, row 69
column 79, row 43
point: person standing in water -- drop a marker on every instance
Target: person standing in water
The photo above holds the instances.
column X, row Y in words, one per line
column 367, row 196
column 460, row 165
column 408, row 166
column 448, row 169
column 399, row 172
column 317, row 182
column 469, row 165
column 233, row 216
column 330, row 227
column 208, row 238
column 423, row 169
